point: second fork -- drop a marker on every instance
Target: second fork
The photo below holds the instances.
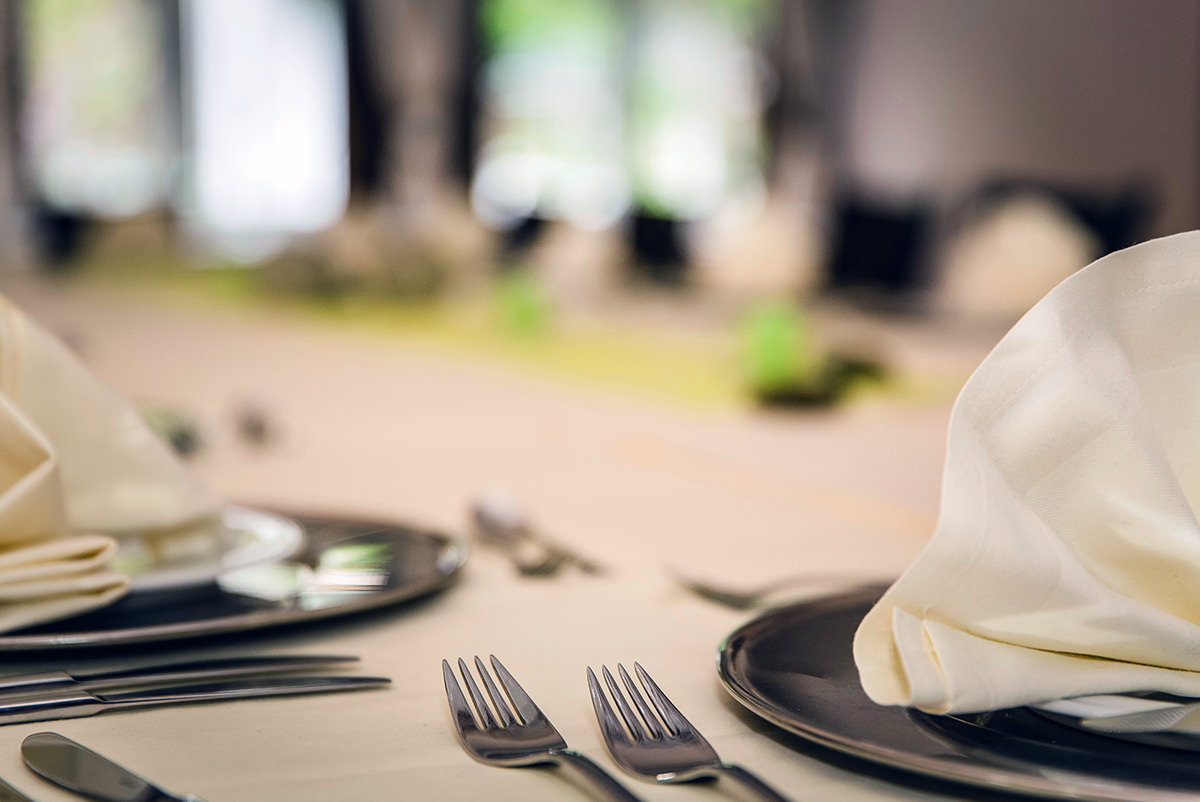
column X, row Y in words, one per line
column 657, row 742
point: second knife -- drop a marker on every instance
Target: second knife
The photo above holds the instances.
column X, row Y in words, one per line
column 77, row 768
column 222, row 668
column 76, row 703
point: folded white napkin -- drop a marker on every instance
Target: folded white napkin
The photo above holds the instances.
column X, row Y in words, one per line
column 1066, row 559
column 76, row 463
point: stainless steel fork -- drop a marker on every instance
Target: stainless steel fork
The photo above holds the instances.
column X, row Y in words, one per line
column 525, row 739
column 660, row 744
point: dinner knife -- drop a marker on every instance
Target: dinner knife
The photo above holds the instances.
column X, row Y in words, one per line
column 171, row 672
column 77, row 768
column 76, row 703
column 10, row 794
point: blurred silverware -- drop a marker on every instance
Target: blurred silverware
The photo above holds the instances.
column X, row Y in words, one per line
column 766, row 593
column 525, row 738
column 71, row 702
column 660, row 744
column 77, row 768
column 224, row 668
column 500, row 520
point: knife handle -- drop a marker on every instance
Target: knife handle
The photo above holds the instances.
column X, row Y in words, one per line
column 70, row 703
column 228, row 667
column 34, row 682
column 9, row 793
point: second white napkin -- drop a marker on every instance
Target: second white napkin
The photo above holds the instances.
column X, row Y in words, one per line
column 1066, row 559
column 77, row 465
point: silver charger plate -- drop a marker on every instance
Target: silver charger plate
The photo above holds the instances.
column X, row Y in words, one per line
column 793, row 666
column 346, row 567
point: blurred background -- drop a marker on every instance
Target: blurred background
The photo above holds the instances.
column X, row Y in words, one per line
column 746, row 201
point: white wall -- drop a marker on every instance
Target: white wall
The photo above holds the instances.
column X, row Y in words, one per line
column 944, row 93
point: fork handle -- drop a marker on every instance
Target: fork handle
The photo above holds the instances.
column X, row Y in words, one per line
column 583, row 767
column 751, row 782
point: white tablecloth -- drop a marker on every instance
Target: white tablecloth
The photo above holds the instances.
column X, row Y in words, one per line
column 402, row 432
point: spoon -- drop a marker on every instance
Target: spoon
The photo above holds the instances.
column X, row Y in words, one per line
column 749, row 597
column 500, row 520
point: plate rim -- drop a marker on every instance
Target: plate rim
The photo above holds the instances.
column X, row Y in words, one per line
column 446, row 568
column 994, row 778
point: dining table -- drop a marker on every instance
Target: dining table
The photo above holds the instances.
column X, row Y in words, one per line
column 393, row 429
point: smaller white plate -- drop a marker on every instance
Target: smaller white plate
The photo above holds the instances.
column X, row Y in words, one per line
column 254, row 537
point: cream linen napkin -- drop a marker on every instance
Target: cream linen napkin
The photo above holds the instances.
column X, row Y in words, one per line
column 75, row 461
column 1066, row 559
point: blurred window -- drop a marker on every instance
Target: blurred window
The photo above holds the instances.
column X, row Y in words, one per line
column 95, row 127
column 695, row 106
column 266, row 110
column 552, row 131
column 594, row 108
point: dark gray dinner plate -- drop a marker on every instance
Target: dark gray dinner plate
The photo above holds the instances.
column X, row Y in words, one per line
column 793, row 667
column 349, row 567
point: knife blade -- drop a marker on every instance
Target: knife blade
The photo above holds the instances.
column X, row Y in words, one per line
column 147, row 675
column 77, row 703
column 10, row 794
column 75, row 767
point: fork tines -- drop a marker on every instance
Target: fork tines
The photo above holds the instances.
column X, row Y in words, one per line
column 523, row 735
column 657, row 742
column 526, row 710
column 647, row 723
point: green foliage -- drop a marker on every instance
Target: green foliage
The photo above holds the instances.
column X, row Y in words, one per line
column 521, row 305
column 357, row 557
column 517, row 24
column 778, row 351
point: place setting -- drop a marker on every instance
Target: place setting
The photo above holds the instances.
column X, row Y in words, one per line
column 286, row 569
column 114, row 541
column 1045, row 640
column 108, row 540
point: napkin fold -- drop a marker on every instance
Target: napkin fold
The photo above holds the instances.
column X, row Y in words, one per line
column 77, row 466
column 1066, row 558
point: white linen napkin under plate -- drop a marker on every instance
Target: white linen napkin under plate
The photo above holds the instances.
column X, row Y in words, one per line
column 77, row 463
column 1066, row 558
